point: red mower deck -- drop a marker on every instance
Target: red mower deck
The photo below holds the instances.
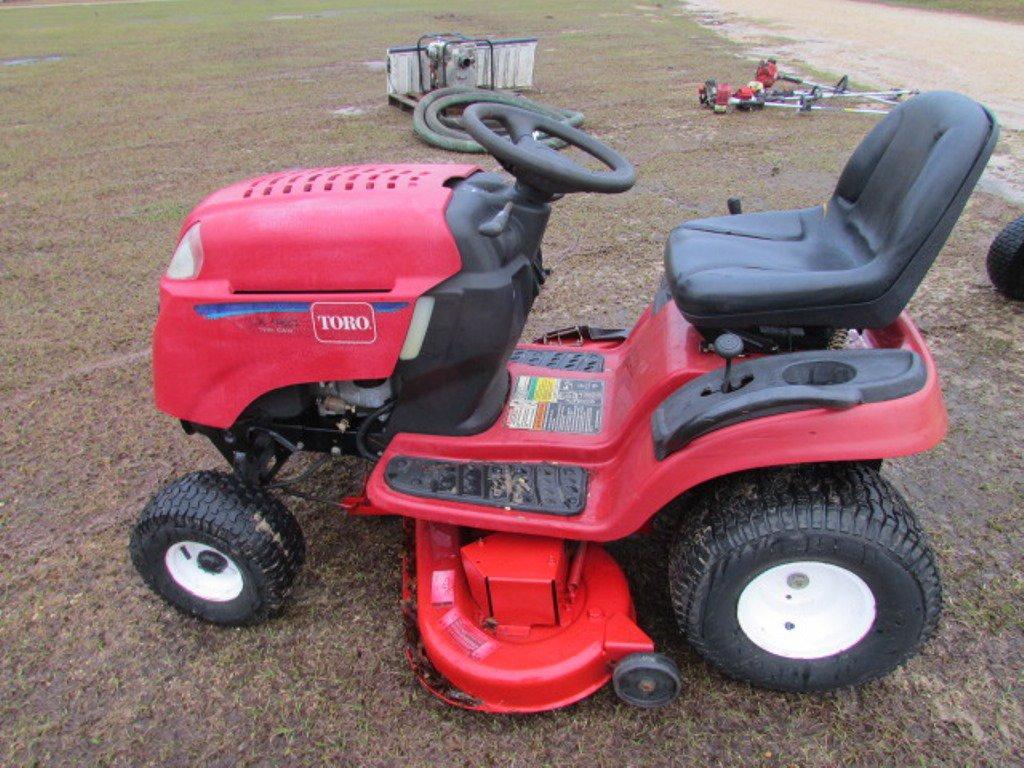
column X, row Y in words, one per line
column 519, row 623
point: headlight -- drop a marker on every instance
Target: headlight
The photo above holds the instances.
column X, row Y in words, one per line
column 417, row 328
column 188, row 256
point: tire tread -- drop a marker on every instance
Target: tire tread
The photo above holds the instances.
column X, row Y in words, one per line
column 735, row 512
column 1005, row 262
column 253, row 522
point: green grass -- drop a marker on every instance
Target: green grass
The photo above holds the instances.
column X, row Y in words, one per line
column 1004, row 10
column 156, row 104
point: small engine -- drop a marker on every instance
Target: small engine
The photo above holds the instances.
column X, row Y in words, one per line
column 452, row 65
column 343, row 398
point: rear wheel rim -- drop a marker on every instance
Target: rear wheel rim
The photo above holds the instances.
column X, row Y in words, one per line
column 806, row 609
column 204, row 571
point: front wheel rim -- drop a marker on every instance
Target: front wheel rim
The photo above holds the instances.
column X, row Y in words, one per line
column 204, row 571
column 806, row 609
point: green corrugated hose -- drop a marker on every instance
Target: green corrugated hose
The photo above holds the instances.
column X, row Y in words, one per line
column 430, row 123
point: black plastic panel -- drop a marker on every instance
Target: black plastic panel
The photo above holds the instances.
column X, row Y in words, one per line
column 799, row 381
column 546, row 488
column 559, row 360
column 458, row 383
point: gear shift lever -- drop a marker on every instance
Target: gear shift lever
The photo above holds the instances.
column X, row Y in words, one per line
column 728, row 346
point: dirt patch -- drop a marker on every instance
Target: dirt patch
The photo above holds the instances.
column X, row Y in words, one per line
column 348, row 111
column 334, row 14
column 23, row 60
column 41, row 390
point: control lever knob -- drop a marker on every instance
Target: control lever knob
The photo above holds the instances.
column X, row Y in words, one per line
column 728, row 346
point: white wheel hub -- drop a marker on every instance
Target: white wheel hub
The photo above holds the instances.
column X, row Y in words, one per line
column 204, row 571
column 806, row 610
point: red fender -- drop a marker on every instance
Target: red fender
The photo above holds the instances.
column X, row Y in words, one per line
column 628, row 485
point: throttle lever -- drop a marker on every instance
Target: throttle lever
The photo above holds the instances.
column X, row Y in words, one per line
column 728, row 346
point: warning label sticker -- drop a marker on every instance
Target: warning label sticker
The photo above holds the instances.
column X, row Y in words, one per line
column 473, row 641
column 547, row 404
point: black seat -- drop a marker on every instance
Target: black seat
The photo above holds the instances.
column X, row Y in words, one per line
column 855, row 261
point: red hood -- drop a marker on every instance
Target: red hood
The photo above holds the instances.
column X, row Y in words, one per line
column 347, row 228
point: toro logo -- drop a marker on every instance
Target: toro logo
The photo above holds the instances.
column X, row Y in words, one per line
column 343, row 322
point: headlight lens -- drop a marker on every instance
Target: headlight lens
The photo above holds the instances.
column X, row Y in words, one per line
column 188, row 256
column 417, row 328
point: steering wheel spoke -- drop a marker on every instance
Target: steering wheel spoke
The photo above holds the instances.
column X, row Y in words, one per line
column 518, row 128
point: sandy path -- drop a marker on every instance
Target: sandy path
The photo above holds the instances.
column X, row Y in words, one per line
column 892, row 46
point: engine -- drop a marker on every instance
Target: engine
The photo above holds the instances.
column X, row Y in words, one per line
column 345, row 398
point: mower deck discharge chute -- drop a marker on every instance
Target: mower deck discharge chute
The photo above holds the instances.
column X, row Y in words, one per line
column 377, row 311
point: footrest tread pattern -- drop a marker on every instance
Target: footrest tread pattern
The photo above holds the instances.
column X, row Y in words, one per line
column 559, row 360
column 546, row 488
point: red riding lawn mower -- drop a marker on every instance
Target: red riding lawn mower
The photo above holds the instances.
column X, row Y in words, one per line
column 376, row 311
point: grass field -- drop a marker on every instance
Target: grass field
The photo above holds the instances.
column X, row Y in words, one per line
column 1005, row 10
column 153, row 105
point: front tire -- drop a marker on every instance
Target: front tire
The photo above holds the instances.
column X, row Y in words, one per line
column 804, row 578
column 217, row 549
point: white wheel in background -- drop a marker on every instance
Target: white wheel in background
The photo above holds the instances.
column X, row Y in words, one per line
column 204, row 571
column 806, row 609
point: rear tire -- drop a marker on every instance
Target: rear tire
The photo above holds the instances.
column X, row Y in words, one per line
column 1006, row 260
column 217, row 549
column 804, row 578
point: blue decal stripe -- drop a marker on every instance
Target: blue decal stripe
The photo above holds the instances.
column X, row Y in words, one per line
column 389, row 306
column 239, row 309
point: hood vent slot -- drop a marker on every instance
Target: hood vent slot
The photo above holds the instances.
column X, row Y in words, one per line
column 342, row 179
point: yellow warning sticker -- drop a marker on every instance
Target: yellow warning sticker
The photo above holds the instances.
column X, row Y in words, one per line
column 545, row 389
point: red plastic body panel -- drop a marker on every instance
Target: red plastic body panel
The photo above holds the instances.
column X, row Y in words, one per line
column 516, row 668
column 368, row 239
column 520, row 578
column 628, row 485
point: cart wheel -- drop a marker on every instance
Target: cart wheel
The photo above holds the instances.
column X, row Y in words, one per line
column 217, row 549
column 647, row 680
column 805, row 578
column 1006, row 260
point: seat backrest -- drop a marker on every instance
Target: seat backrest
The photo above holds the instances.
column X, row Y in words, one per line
column 907, row 183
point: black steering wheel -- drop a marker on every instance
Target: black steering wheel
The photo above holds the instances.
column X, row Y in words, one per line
column 538, row 165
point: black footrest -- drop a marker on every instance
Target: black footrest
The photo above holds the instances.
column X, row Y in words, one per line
column 559, row 360
column 548, row 488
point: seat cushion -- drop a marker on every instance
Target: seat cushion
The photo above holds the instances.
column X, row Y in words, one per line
column 758, row 263
column 855, row 261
